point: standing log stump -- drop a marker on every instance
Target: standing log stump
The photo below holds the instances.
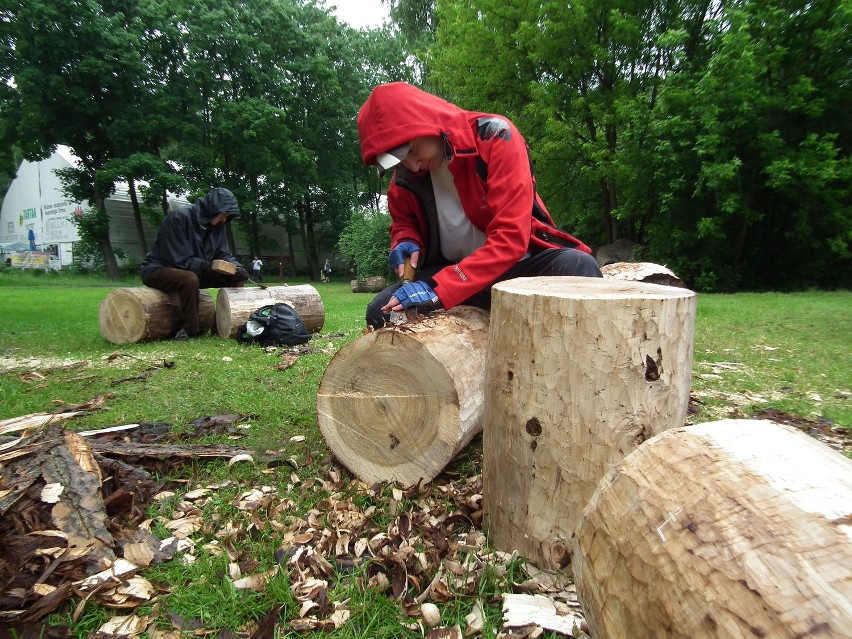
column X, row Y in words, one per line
column 140, row 314
column 579, row 372
column 235, row 305
column 399, row 403
column 723, row 530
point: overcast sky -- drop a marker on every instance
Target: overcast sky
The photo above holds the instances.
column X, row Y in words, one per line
column 360, row 13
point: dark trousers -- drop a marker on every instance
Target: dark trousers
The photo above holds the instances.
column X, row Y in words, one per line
column 548, row 262
column 187, row 285
column 257, row 275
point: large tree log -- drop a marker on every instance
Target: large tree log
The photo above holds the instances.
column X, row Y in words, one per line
column 373, row 284
column 129, row 315
column 579, row 372
column 729, row 529
column 399, row 403
column 235, row 305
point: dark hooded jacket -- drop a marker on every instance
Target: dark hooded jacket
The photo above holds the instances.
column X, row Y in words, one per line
column 493, row 175
column 186, row 240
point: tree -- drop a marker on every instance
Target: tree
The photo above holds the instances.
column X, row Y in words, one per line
column 365, row 242
column 756, row 166
column 76, row 69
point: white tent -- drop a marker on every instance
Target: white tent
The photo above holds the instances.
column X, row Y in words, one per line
column 35, row 212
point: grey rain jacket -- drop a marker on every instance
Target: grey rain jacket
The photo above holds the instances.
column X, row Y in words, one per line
column 185, row 239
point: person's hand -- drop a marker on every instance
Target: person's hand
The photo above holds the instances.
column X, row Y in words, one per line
column 241, row 274
column 412, row 294
column 396, row 258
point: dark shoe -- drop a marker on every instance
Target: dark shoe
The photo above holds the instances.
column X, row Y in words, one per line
column 181, row 336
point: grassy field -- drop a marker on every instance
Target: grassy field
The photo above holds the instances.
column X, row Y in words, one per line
column 787, row 354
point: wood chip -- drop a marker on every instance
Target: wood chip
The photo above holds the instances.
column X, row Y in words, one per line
column 523, row 610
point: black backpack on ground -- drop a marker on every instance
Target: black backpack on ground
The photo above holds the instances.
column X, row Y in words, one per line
column 274, row 325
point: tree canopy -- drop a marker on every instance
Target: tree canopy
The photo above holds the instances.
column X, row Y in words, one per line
column 714, row 135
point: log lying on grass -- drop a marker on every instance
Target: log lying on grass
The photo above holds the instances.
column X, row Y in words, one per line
column 579, row 372
column 129, row 315
column 370, row 285
column 234, row 305
column 399, row 403
column 729, row 529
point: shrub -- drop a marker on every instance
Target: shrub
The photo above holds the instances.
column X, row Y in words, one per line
column 365, row 241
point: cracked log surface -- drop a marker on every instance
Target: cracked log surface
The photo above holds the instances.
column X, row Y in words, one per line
column 727, row 529
column 399, row 403
column 579, row 372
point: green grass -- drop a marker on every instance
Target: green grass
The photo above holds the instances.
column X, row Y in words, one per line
column 786, row 352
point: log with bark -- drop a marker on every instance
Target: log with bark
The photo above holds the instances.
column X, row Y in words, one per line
column 729, row 529
column 369, row 285
column 235, row 305
column 399, row 403
column 642, row 272
column 579, row 372
column 140, row 314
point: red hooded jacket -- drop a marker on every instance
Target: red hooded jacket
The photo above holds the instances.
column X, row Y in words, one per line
column 492, row 173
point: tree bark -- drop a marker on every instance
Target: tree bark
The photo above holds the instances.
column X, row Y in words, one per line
column 137, row 215
column 729, row 529
column 129, row 315
column 235, row 305
column 399, row 403
column 580, row 371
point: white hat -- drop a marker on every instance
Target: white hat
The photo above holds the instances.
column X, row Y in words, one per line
column 392, row 158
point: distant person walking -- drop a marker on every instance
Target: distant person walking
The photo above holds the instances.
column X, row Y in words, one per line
column 326, row 271
column 256, row 266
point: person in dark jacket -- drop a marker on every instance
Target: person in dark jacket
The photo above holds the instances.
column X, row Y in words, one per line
column 188, row 240
column 462, row 200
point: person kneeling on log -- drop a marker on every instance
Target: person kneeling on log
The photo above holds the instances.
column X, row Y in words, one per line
column 462, row 201
column 188, row 240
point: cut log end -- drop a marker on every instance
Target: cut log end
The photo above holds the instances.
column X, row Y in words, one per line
column 379, row 391
column 137, row 314
column 399, row 403
column 122, row 318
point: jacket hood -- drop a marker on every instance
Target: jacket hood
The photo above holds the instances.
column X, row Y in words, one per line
column 219, row 200
column 398, row 112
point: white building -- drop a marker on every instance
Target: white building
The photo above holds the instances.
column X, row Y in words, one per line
column 36, row 215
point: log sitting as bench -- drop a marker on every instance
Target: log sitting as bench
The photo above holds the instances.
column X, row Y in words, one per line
column 139, row 314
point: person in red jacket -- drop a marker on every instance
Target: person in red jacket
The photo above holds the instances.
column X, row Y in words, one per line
column 462, row 201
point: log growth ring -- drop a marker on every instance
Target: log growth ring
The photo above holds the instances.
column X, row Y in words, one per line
column 122, row 316
column 381, row 427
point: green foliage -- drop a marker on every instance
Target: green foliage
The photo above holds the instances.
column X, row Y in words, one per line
column 92, row 226
column 713, row 134
column 365, row 241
